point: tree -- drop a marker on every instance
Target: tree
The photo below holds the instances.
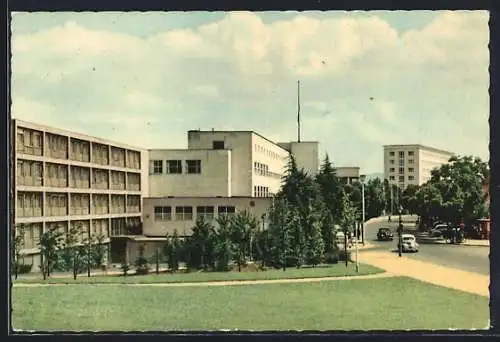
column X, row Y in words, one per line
column 201, row 245
column 50, row 243
column 73, row 254
column 330, row 189
column 98, row 250
column 242, row 228
column 17, row 241
column 409, row 199
column 224, row 249
column 314, row 242
column 374, row 199
column 281, row 218
column 141, row 264
column 173, row 251
column 348, row 220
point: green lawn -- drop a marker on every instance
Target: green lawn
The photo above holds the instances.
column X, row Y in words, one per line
column 291, row 273
column 384, row 303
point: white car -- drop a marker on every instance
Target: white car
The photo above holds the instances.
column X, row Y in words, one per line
column 409, row 243
column 438, row 230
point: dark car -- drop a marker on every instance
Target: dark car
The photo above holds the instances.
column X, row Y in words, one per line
column 385, row 234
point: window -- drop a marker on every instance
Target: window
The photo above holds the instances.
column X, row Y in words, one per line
column 411, row 178
column 193, row 166
column 218, row 144
column 157, row 167
column 401, row 178
column 391, row 169
column 401, row 154
column 183, row 213
column 401, row 162
column 391, row 154
column 411, row 153
column 163, row 213
column 410, row 169
column 207, row 212
column 401, row 170
column 174, row 166
column 226, row 210
column 410, row 161
column 391, row 161
column 391, row 178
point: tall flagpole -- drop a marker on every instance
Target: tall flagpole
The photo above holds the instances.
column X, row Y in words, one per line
column 298, row 111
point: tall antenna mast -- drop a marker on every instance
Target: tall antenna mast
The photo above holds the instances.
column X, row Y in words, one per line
column 298, row 111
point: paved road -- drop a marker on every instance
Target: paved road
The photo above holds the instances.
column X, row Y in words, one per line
column 467, row 258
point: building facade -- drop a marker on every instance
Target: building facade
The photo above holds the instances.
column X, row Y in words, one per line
column 412, row 164
column 347, row 174
column 63, row 180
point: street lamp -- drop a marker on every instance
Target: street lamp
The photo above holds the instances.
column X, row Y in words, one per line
column 400, row 232
column 362, row 179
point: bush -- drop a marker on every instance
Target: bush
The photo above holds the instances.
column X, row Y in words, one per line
column 125, row 268
column 23, row 268
column 141, row 264
column 331, row 257
column 343, row 256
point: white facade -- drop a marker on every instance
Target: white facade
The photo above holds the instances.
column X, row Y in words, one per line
column 412, row 164
column 165, row 215
column 347, row 174
column 306, row 154
column 63, row 179
column 227, row 164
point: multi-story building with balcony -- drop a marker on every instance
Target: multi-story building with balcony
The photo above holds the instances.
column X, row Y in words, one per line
column 412, row 164
column 347, row 174
column 63, row 180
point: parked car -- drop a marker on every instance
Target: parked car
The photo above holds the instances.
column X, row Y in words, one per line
column 385, row 234
column 409, row 243
column 439, row 230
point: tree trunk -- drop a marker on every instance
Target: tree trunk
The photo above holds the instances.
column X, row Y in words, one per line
column 75, row 269
column 345, row 249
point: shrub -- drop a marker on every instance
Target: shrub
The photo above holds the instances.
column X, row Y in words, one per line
column 332, row 257
column 23, row 268
column 125, row 268
column 141, row 264
column 343, row 256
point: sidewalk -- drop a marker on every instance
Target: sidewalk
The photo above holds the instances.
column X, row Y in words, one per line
column 428, row 272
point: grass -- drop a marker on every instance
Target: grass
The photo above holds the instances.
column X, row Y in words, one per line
column 374, row 304
column 336, row 270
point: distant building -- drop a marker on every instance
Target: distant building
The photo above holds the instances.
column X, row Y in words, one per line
column 63, row 179
column 412, row 164
column 219, row 172
column 347, row 174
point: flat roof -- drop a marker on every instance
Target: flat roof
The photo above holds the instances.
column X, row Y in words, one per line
column 345, row 167
column 248, row 132
column 71, row 134
column 209, row 197
column 188, row 149
column 420, row 147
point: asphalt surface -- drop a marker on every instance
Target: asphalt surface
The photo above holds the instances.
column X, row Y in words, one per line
column 467, row 258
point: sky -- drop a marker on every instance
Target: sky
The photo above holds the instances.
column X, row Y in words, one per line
column 367, row 79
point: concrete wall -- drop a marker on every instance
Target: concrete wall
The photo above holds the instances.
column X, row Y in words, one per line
column 429, row 160
column 307, row 155
column 240, row 144
column 154, row 227
column 214, row 179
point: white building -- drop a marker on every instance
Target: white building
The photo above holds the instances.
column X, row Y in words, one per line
column 347, row 174
column 224, row 168
column 412, row 164
column 63, row 179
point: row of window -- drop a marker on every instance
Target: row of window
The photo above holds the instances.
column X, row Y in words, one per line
column 175, row 166
column 263, row 170
column 31, row 142
column 185, row 213
column 273, row 155
column 402, row 170
column 401, row 154
column 402, row 178
column 261, row 191
column 402, row 162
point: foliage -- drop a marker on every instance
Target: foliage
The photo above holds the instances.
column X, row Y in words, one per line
column 173, row 251
column 141, row 264
column 330, row 189
column 314, row 242
column 125, row 268
column 50, row 243
column 281, row 219
column 409, row 198
column 374, row 198
column 17, row 242
column 24, row 268
column 242, row 228
column 225, row 248
column 454, row 192
column 98, row 251
column 73, row 253
column 200, row 246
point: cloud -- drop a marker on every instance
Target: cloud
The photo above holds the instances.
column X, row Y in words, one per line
column 240, row 72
